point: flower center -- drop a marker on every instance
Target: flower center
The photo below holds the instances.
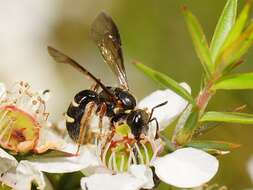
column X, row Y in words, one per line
column 120, row 149
column 22, row 112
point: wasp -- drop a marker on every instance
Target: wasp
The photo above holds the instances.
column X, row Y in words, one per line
column 115, row 103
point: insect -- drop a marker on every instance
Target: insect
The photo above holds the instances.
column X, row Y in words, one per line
column 116, row 103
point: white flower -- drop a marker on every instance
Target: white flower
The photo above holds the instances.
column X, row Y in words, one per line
column 168, row 113
column 24, row 129
column 22, row 176
column 139, row 176
column 185, row 168
column 114, row 164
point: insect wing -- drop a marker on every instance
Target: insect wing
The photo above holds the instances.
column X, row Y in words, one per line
column 105, row 34
column 62, row 58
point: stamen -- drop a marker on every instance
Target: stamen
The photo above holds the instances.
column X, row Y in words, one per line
column 122, row 162
column 9, row 135
column 129, row 158
column 3, row 116
column 6, row 129
column 105, row 151
column 156, row 152
column 110, row 162
column 115, row 167
column 132, row 155
column 146, row 153
column 139, row 153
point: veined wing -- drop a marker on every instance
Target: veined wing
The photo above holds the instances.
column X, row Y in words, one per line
column 105, row 34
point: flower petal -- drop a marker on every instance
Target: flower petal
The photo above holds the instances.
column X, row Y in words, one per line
column 7, row 161
column 2, row 90
column 121, row 181
column 86, row 158
column 167, row 113
column 23, row 176
column 144, row 173
column 186, row 167
column 250, row 168
column 139, row 176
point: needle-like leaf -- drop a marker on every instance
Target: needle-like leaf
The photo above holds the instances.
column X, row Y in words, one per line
column 224, row 25
column 235, row 82
column 227, row 117
column 239, row 25
column 165, row 81
column 199, row 41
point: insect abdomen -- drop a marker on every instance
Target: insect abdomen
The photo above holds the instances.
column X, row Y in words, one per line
column 76, row 110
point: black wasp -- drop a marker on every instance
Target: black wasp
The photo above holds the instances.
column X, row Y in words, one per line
column 116, row 103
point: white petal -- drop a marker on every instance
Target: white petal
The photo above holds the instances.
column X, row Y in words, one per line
column 23, row 176
column 121, row 181
column 167, row 113
column 144, row 173
column 250, row 168
column 86, row 158
column 186, row 167
column 48, row 135
column 7, row 161
column 2, row 90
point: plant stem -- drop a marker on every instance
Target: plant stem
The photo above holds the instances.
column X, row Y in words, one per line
column 206, row 94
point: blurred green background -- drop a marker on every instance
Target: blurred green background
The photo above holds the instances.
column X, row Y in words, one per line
column 153, row 32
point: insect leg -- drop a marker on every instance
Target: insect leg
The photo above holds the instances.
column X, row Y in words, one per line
column 102, row 113
column 84, row 125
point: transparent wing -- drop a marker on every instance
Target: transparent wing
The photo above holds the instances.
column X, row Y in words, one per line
column 105, row 34
column 62, row 58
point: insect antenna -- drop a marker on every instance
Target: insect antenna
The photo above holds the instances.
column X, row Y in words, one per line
column 153, row 109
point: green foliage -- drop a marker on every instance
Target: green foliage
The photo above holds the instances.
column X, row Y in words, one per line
column 165, row 81
column 214, row 147
column 224, row 25
column 227, row 117
column 185, row 134
column 236, row 49
column 199, row 41
column 238, row 26
column 235, row 82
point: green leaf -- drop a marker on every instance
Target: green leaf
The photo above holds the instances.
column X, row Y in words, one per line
column 205, row 145
column 227, row 117
column 199, row 41
column 235, row 82
column 239, row 25
column 223, row 27
column 185, row 134
column 165, row 81
column 232, row 53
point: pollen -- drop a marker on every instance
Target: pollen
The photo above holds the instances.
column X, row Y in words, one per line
column 22, row 113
